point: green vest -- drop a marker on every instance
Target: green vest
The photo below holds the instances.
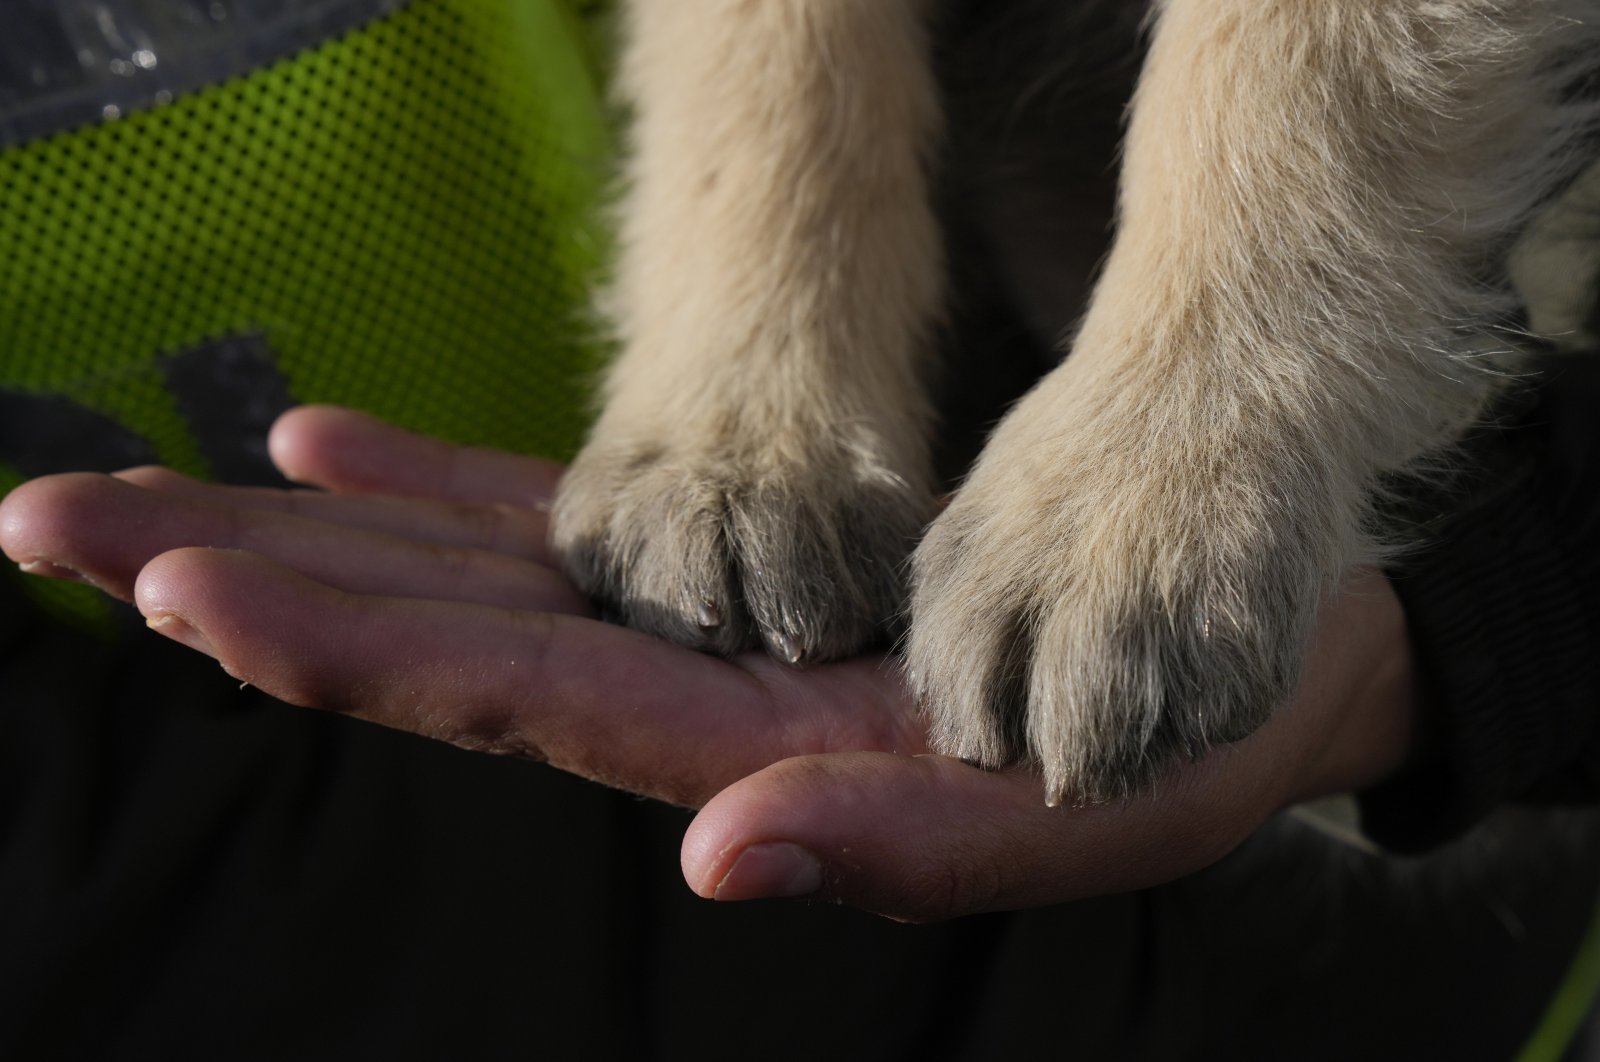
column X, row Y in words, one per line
column 391, row 206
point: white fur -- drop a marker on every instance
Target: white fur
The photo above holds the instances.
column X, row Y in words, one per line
column 1317, row 200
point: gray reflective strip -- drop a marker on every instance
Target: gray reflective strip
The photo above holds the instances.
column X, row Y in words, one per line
column 230, row 391
column 45, row 433
column 65, row 63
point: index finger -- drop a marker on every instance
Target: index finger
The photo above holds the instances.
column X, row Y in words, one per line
column 354, row 453
column 603, row 702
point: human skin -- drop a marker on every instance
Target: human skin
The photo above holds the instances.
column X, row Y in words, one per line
column 411, row 586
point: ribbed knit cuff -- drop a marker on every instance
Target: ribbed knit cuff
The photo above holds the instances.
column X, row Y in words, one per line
column 1499, row 602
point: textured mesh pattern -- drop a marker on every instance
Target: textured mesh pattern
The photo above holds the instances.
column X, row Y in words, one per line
column 399, row 212
column 401, row 216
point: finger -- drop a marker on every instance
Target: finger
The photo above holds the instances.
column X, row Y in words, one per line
column 104, row 530
column 497, row 528
column 354, row 453
column 926, row 838
column 604, row 702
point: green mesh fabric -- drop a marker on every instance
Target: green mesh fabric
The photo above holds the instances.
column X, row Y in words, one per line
column 403, row 216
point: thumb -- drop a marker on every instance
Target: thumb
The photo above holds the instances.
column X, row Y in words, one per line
column 925, row 838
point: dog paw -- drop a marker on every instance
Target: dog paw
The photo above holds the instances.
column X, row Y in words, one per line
column 799, row 548
column 1107, row 598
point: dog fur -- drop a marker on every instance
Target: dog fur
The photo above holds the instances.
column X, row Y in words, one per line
column 1305, row 294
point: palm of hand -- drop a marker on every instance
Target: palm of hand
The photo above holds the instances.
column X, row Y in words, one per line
column 415, row 590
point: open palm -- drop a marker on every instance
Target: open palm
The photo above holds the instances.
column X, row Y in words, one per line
column 414, row 588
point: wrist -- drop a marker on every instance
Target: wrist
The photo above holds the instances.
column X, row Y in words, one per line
column 1362, row 689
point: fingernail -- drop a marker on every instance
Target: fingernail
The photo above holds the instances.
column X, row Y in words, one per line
column 178, row 629
column 47, row 570
column 770, row 871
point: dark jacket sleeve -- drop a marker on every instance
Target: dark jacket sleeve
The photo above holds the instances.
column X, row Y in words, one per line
column 1503, row 602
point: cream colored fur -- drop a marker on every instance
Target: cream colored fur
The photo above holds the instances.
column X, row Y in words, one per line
column 761, row 462
column 1316, row 197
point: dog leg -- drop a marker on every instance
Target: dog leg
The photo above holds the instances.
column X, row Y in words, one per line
column 1314, row 202
column 760, row 469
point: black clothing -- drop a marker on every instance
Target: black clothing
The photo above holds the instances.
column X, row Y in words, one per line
column 1502, row 605
column 193, row 871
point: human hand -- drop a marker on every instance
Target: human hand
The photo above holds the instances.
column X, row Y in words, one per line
column 415, row 590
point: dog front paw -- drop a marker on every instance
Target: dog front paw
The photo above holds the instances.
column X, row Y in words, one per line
column 1103, row 600
column 798, row 548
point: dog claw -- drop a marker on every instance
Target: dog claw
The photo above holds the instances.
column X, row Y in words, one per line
column 786, row 647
